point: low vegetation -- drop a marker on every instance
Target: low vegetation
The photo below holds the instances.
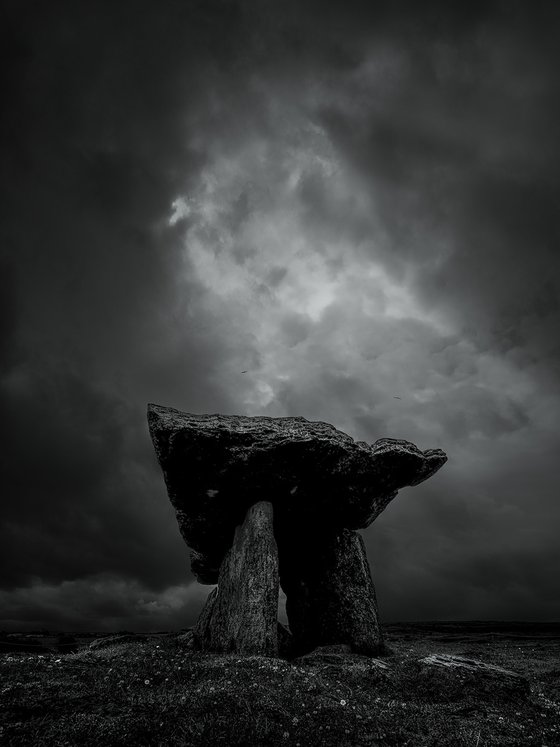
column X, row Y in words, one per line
column 134, row 690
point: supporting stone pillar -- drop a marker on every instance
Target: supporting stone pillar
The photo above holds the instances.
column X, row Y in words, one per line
column 330, row 597
column 240, row 616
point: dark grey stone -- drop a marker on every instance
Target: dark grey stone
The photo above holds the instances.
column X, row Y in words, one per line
column 330, row 597
column 217, row 466
column 445, row 677
column 240, row 615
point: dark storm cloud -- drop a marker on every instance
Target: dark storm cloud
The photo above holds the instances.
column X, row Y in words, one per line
column 461, row 151
column 461, row 154
column 96, row 145
column 364, row 200
column 101, row 602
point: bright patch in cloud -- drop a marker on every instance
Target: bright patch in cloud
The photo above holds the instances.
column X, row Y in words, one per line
column 269, row 236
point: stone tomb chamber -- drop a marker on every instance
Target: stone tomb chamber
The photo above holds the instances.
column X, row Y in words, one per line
column 267, row 502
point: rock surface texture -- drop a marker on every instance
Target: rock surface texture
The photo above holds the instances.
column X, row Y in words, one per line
column 217, row 466
column 321, row 485
column 241, row 615
column 447, row 677
column 330, row 597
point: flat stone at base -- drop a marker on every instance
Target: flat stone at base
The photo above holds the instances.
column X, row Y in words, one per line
column 330, row 597
column 240, row 615
column 445, row 677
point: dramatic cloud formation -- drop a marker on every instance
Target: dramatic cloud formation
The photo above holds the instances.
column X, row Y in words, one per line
column 353, row 204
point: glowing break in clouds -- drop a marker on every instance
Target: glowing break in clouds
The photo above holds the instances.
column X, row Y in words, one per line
column 271, row 239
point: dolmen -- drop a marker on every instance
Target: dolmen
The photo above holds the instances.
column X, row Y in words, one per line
column 266, row 502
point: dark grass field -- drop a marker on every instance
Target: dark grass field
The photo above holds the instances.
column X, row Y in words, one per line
column 56, row 690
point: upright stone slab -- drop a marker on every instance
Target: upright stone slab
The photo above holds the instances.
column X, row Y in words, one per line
column 241, row 615
column 330, row 597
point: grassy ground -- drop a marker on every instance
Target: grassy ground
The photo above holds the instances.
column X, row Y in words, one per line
column 151, row 691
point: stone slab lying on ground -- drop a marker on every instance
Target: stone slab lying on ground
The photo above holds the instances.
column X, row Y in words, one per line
column 449, row 677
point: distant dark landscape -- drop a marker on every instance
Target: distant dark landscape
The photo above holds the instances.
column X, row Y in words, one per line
column 128, row 689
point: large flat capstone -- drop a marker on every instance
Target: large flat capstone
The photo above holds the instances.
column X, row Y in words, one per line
column 217, row 466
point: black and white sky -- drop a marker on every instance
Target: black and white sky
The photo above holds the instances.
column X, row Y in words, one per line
column 352, row 202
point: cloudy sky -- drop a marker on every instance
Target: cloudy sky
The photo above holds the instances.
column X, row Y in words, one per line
column 352, row 202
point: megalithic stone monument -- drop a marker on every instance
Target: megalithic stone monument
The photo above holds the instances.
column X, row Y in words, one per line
column 259, row 499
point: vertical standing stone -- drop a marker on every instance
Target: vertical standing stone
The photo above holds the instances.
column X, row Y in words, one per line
column 330, row 597
column 240, row 616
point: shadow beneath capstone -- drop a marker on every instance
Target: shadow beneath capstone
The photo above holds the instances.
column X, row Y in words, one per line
column 287, row 651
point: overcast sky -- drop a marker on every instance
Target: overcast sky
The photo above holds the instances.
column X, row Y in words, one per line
column 351, row 202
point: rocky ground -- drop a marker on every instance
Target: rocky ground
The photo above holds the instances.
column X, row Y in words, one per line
column 140, row 690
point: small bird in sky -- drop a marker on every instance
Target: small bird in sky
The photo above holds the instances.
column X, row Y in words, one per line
column 394, row 397
column 243, row 371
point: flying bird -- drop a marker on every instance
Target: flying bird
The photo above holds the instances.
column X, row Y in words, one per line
column 243, row 371
column 396, row 397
